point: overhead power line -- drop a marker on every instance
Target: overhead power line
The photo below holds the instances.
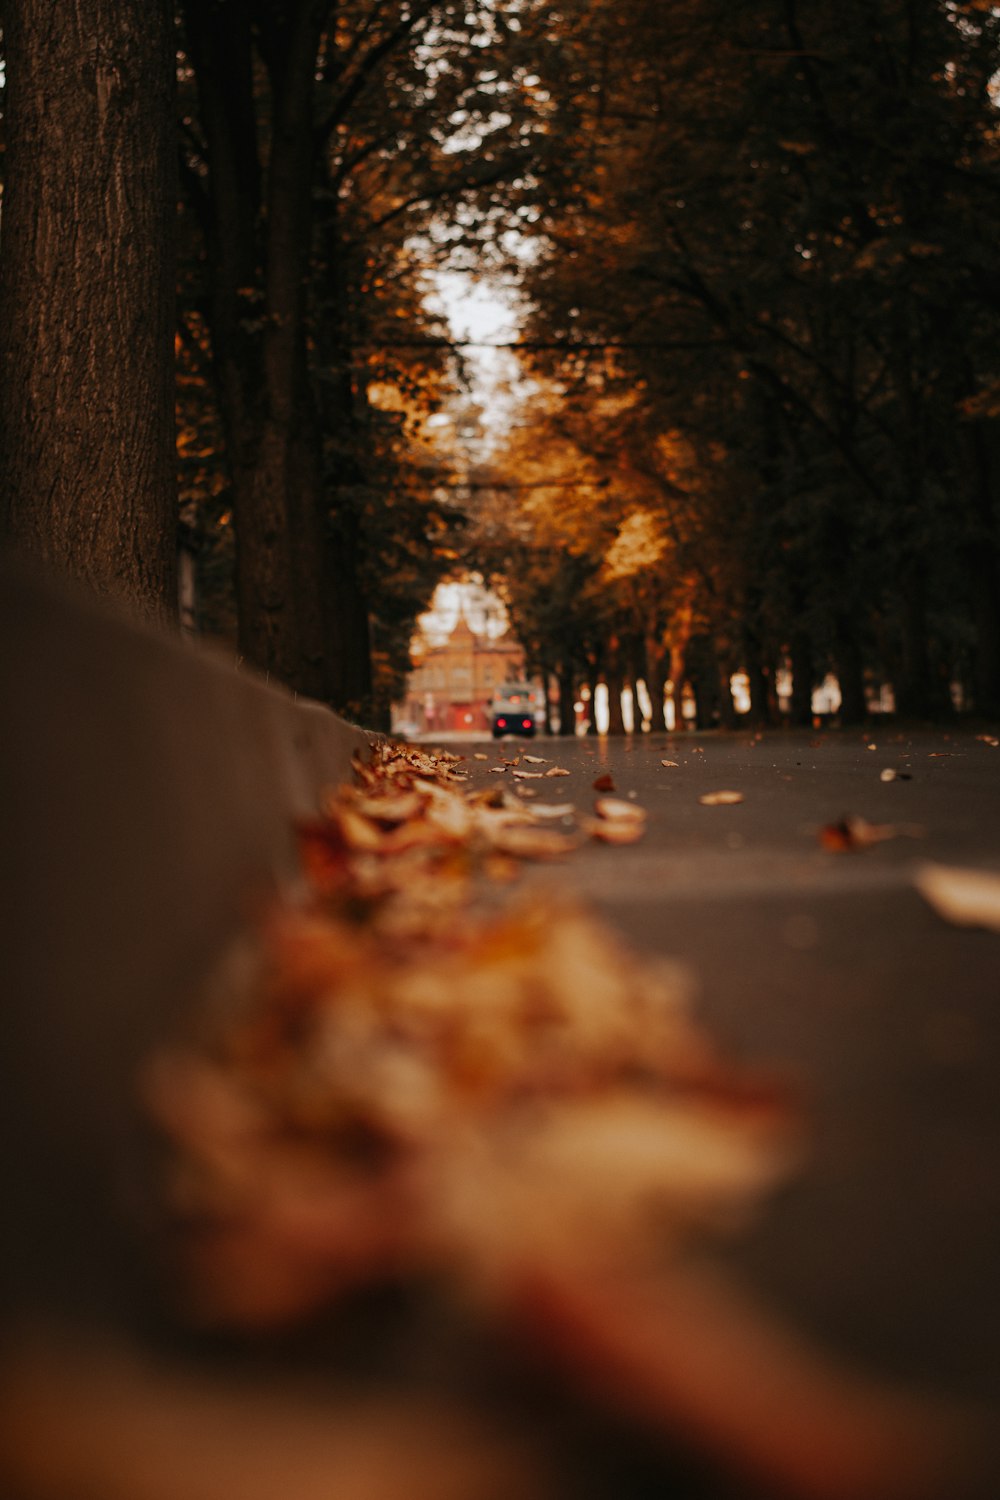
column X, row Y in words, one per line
column 566, row 345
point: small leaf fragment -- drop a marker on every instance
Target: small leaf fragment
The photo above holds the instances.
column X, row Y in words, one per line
column 615, row 810
column 669, row 762
column 557, row 771
column 968, row 898
column 604, row 783
column 615, row 830
column 854, row 832
column 535, row 760
column 720, row 799
column 553, row 810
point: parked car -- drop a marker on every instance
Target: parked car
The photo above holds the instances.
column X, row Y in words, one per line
column 513, row 709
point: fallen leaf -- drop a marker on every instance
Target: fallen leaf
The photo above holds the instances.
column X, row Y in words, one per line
column 527, row 775
column 535, row 760
column 988, row 739
column 968, row 898
column 553, row 810
column 480, row 755
column 615, row 830
column 557, row 771
column 535, row 843
column 853, row 832
column 604, row 783
column 669, row 762
column 615, row 810
column 720, row 799
column 499, row 770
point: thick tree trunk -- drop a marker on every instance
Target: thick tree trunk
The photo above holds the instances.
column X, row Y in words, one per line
column 260, row 232
column 87, row 294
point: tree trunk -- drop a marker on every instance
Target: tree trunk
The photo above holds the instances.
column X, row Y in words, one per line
column 984, row 572
column 260, row 235
column 803, row 680
column 567, row 701
column 659, row 658
column 614, row 676
column 850, row 675
column 87, row 295
column 918, row 693
column 351, row 685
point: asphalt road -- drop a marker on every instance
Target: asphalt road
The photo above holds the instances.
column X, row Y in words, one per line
column 832, row 968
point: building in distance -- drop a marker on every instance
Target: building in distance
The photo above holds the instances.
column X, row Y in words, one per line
column 457, row 669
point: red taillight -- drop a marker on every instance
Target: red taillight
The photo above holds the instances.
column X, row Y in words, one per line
column 526, row 723
column 501, row 723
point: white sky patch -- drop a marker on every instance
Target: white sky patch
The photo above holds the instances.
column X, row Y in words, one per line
column 483, row 611
column 483, row 314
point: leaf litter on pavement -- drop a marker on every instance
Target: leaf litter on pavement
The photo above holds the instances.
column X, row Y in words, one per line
column 393, row 1078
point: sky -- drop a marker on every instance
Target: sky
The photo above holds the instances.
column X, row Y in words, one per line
column 484, row 313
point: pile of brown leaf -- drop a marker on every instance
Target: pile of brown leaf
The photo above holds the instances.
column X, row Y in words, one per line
column 397, row 1079
column 409, row 1080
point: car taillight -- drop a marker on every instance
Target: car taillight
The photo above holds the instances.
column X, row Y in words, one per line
column 502, row 723
column 526, row 723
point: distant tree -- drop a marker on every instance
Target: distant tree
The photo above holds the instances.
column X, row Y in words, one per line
column 87, row 478
column 800, row 279
column 318, row 139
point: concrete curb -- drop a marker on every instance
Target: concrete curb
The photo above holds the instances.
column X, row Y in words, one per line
column 148, row 796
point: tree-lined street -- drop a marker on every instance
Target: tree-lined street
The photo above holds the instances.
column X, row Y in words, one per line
column 591, row 1116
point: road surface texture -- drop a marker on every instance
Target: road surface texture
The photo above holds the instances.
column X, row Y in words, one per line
column 833, row 968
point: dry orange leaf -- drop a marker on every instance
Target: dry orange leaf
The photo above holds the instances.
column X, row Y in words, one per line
column 968, row 898
column 853, row 832
column 615, row 830
column 720, row 799
column 615, row 809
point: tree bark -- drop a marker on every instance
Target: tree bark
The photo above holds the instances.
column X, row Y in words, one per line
column 87, row 276
column 803, row 679
column 614, row 677
column 659, row 657
column 567, row 701
column 260, row 233
column 850, row 674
